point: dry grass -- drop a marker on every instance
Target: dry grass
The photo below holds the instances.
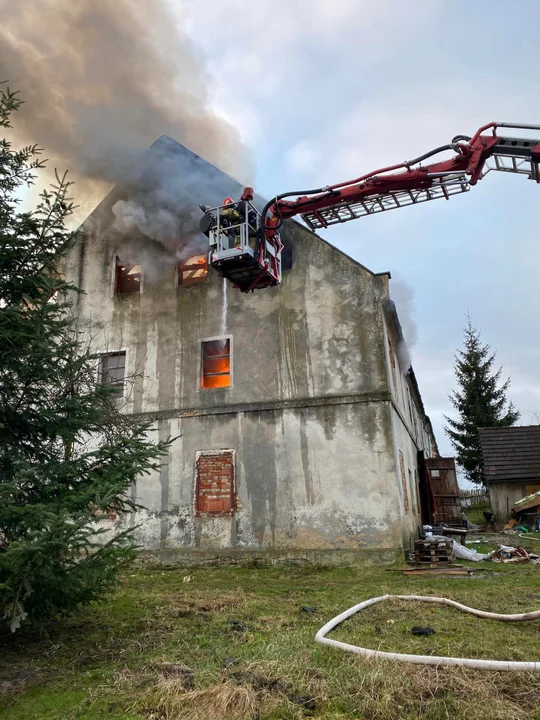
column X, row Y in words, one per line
column 234, row 643
column 389, row 691
column 382, row 691
column 226, row 700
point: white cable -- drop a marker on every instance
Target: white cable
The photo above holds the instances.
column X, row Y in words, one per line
column 527, row 537
column 320, row 637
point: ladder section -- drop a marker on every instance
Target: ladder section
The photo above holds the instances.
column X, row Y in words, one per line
column 442, row 187
column 515, row 155
column 513, row 164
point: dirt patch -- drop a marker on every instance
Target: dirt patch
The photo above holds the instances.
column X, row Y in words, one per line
column 175, row 670
column 262, row 684
column 201, row 607
column 18, row 679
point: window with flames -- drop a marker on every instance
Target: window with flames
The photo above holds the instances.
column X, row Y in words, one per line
column 216, row 364
column 193, row 270
column 127, row 278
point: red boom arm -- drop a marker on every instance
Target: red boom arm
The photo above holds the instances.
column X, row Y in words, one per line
column 400, row 185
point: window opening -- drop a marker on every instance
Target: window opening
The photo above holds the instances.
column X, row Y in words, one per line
column 216, row 364
column 128, row 278
column 193, row 270
column 403, row 482
column 112, row 371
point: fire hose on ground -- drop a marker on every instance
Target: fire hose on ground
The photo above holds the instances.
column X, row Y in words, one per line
column 528, row 537
column 320, row 637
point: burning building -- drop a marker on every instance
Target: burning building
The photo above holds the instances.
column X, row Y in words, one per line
column 300, row 430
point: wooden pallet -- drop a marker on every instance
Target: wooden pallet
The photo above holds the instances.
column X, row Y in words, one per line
column 433, row 553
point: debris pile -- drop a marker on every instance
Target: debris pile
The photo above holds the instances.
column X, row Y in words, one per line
column 510, row 554
column 438, row 551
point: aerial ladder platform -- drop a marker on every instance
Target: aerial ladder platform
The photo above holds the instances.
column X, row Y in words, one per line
column 248, row 252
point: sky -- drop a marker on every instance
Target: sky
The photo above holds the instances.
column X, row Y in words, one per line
column 326, row 90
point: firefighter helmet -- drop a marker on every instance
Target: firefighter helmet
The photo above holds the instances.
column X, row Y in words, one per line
column 228, row 201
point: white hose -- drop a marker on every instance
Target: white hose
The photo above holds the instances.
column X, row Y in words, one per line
column 320, row 637
column 527, row 537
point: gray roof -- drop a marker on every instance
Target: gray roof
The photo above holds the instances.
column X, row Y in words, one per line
column 511, row 454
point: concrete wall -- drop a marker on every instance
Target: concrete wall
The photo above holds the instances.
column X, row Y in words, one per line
column 319, row 477
column 410, row 435
column 318, row 334
column 503, row 496
column 314, row 414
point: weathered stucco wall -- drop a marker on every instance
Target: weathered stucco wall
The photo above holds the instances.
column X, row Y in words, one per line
column 318, row 334
column 312, row 414
column 312, row 478
column 502, row 497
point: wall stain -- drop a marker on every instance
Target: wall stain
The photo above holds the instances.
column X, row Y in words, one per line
column 304, row 450
column 164, row 432
column 259, row 465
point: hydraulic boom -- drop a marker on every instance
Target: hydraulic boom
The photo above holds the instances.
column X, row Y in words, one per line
column 396, row 186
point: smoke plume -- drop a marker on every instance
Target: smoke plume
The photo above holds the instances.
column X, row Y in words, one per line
column 403, row 297
column 155, row 213
column 101, row 80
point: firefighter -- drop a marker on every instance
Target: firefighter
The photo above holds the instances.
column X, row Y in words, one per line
column 230, row 216
column 230, row 212
column 237, row 213
column 249, row 216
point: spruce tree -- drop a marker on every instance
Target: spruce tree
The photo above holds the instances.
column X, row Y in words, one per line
column 67, row 454
column 480, row 401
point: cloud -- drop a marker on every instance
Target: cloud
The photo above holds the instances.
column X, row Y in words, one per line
column 303, row 157
column 399, row 126
column 326, row 90
column 273, row 61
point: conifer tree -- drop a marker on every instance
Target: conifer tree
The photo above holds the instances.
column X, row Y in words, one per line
column 67, row 455
column 480, row 401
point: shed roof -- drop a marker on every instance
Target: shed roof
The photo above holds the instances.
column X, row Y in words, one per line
column 511, row 454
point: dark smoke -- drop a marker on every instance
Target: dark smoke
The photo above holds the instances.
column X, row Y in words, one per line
column 101, row 80
column 154, row 214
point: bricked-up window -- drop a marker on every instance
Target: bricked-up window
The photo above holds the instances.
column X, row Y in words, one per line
column 403, row 482
column 127, row 279
column 214, row 488
column 193, row 270
column 112, row 371
column 216, row 364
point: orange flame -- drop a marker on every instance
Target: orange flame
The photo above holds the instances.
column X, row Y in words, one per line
column 216, row 365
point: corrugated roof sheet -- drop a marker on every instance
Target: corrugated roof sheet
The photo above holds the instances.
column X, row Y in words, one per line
column 511, row 454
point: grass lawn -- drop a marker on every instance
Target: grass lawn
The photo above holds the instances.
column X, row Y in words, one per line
column 475, row 513
column 162, row 649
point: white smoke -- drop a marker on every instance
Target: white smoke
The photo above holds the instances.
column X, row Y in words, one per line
column 403, row 296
